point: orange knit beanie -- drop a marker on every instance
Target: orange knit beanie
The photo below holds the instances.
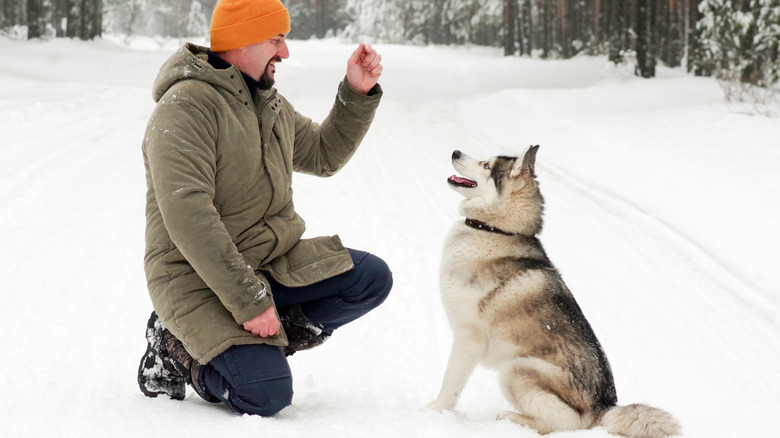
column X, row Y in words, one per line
column 239, row 23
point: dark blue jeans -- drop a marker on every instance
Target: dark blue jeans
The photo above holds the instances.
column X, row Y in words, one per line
column 256, row 379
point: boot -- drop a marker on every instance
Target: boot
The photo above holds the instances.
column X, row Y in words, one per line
column 158, row 372
column 186, row 365
column 302, row 334
column 167, row 367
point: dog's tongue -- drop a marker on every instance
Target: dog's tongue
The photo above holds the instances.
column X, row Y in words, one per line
column 461, row 181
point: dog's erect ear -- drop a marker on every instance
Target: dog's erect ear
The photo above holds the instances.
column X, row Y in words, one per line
column 527, row 164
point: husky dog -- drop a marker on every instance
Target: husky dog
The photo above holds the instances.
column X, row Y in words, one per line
column 510, row 309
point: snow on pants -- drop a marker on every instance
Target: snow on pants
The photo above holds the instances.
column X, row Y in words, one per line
column 256, row 379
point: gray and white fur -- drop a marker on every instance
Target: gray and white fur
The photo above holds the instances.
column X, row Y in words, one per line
column 510, row 310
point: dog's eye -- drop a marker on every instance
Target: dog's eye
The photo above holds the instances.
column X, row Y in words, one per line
column 487, row 165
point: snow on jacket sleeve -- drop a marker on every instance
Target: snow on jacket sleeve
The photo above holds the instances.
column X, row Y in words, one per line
column 181, row 154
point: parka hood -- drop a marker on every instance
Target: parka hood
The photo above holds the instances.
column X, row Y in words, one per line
column 191, row 62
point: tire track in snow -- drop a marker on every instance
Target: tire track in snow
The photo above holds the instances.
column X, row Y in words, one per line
column 699, row 261
column 679, row 310
column 29, row 182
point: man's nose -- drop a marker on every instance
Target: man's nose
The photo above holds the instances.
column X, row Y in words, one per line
column 283, row 51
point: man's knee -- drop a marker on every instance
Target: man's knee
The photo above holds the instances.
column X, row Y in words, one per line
column 376, row 277
column 264, row 398
column 251, row 379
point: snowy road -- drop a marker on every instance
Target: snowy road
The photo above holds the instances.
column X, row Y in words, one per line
column 660, row 216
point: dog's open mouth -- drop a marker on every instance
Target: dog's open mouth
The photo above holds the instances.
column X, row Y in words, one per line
column 459, row 181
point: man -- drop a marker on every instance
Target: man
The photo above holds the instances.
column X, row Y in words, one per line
column 234, row 287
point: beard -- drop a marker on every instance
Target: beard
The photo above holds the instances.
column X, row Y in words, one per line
column 266, row 81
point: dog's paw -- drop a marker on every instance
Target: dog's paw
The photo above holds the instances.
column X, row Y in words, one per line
column 431, row 407
column 437, row 406
column 514, row 417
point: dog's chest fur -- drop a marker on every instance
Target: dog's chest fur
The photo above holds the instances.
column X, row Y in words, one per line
column 483, row 273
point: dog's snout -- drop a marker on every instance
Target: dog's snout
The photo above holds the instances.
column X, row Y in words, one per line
column 456, row 155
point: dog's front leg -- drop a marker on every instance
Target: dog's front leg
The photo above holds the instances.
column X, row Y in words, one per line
column 467, row 351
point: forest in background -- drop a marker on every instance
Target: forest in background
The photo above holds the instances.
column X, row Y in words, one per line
column 734, row 40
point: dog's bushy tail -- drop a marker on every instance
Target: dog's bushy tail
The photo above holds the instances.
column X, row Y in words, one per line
column 639, row 420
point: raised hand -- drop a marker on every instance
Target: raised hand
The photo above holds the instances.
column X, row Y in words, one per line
column 364, row 68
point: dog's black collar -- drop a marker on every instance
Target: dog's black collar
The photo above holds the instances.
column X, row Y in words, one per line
column 479, row 225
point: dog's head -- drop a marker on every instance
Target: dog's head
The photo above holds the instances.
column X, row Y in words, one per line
column 501, row 191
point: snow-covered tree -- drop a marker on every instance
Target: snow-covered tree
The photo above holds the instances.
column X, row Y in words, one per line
column 37, row 17
column 379, row 20
column 768, row 39
column 474, row 21
column 121, row 16
column 197, row 22
column 740, row 39
column 316, row 18
column 84, row 19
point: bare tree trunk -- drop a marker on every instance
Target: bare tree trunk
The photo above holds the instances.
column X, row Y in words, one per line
column 686, row 10
column 96, row 19
column 509, row 20
column 73, row 17
column 526, row 29
column 59, row 8
column 563, row 37
column 546, row 38
column 320, row 17
column 695, row 57
column 617, row 19
column 85, row 19
column 645, row 50
column 597, row 11
column 437, row 34
column 36, row 19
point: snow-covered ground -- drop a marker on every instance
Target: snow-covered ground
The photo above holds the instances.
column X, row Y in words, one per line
column 662, row 216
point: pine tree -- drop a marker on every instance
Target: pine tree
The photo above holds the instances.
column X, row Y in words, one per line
column 382, row 20
column 695, row 52
column 544, row 32
column 38, row 16
column 767, row 40
column 316, row 18
column 670, row 32
column 617, row 29
column 197, row 23
column 84, row 19
column 740, row 40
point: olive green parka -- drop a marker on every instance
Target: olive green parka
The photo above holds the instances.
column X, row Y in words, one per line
column 219, row 208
